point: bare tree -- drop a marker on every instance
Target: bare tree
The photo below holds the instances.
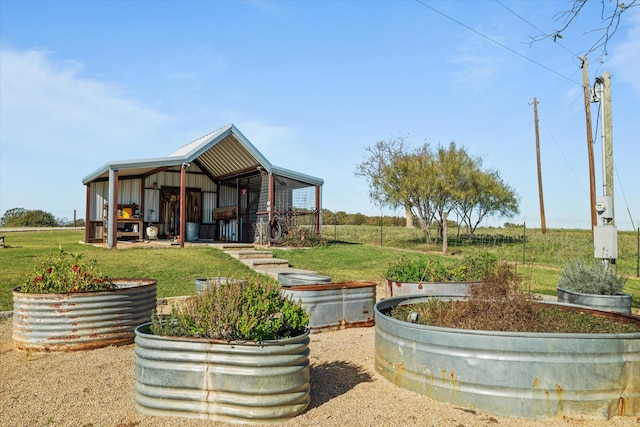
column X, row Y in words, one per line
column 610, row 15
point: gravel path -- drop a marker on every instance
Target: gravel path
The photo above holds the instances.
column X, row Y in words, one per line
column 95, row 388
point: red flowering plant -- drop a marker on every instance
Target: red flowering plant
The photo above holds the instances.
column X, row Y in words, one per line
column 64, row 272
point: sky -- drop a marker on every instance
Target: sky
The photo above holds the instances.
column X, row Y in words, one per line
column 312, row 84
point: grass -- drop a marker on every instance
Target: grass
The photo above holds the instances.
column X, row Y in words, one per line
column 176, row 269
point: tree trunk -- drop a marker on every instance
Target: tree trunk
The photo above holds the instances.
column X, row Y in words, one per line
column 445, row 243
column 409, row 215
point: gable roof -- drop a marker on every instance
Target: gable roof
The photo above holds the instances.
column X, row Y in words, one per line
column 223, row 153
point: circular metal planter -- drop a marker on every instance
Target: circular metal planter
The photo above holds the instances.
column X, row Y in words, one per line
column 397, row 289
column 529, row 375
column 619, row 303
column 204, row 284
column 82, row 320
column 288, row 279
column 237, row 382
column 336, row 306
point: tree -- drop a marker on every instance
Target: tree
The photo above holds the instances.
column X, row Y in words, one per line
column 610, row 16
column 434, row 183
column 488, row 195
column 20, row 217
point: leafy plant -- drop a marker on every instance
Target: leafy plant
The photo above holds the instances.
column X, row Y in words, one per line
column 500, row 304
column 252, row 310
column 423, row 269
column 590, row 277
column 64, row 272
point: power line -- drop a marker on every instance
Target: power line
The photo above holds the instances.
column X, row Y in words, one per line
column 565, row 157
column 534, row 27
column 497, row 42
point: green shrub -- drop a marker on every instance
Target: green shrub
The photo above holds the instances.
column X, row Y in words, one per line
column 590, row 277
column 64, row 272
column 253, row 311
column 470, row 268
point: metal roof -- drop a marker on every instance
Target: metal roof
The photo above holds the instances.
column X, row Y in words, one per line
column 223, row 153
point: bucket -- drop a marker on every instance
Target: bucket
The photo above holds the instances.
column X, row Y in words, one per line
column 192, row 232
column 152, row 233
column 127, row 213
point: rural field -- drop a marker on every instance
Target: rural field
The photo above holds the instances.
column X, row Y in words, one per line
column 348, row 253
column 96, row 388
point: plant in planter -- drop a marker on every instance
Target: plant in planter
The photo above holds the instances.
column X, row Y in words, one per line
column 504, row 351
column 591, row 284
column 437, row 276
column 66, row 304
column 237, row 353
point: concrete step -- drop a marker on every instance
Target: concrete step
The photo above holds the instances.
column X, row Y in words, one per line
column 232, row 246
column 250, row 254
column 264, row 263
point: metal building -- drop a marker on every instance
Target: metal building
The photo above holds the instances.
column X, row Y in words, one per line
column 218, row 187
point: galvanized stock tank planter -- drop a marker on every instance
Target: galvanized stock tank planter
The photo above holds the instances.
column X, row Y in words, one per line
column 237, row 382
column 396, row 288
column 529, row 375
column 82, row 320
column 620, row 303
column 335, row 306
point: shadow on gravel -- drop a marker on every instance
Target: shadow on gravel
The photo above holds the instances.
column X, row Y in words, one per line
column 331, row 379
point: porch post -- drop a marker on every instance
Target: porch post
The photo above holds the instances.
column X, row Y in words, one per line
column 183, row 200
column 87, row 213
column 318, row 208
column 113, row 209
column 271, row 202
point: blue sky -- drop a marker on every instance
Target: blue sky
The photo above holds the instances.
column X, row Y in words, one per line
column 312, row 84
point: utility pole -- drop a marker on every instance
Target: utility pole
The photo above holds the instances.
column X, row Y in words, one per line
column 605, row 236
column 535, row 118
column 607, row 143
column 592, row 175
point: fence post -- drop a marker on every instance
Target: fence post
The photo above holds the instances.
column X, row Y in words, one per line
column 524, row 239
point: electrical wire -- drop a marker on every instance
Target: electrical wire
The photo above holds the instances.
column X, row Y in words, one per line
column 497, row 42
column 565, row 157
column 534, row 27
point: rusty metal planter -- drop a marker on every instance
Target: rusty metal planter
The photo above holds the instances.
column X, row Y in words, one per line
column 620, row 303
column 238, row 382
column 336, row 305
column 82, row 320
column 530, row 375
column 398, row 289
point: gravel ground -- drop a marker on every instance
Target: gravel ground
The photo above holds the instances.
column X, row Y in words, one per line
column 95, row 388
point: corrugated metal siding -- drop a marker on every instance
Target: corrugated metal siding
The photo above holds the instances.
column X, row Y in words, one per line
column 228, row 157
column 99, row 196
column 129, row 191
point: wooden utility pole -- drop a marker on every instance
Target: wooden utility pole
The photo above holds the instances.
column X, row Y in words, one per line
column 592, row 176
column 607, row 142
column 535, row 117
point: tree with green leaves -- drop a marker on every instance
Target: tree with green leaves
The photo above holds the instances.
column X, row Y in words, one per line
column 434, row 183
column 20, row 217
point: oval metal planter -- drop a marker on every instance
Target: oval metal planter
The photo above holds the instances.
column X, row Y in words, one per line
column 82, row 320
column 204, row 284
column 237, row 382
column 397, row 289
column 529, row 375
column 619, row 303
column 288, row 279
column 335, row 306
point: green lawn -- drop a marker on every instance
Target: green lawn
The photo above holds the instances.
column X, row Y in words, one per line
column 176, row 269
